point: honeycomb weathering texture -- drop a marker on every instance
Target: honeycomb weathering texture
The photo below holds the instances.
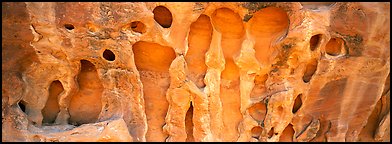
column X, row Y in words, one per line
column 194, row 71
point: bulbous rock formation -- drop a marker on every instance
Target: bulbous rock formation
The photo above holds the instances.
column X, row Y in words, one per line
column 161, row 71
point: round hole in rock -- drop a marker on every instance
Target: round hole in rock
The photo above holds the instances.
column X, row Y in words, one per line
column 69, row 26
column 314, row 42
column 256, row 131
column 163, row 16
column 334, row 46
column 109, row 55
column 138, row 26
column 22, row 105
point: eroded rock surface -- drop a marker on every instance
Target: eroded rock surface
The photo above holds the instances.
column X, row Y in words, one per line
column 161, row 71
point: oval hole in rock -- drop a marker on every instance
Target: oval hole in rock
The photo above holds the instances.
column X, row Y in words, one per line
column 297, row 103
column 69, row 26
column 51, row 108
column 314, row 42
column 109, row 55
column 334, row 46
column 256, row 131
column 228, row 22
column 138, row 26
column 310, row 70
column 152, row 56
column 163, row 16
column 22, row 106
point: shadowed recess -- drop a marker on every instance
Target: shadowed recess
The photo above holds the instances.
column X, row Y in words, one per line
column 271, row 132
column 314, row 42
column 258, row 111
column 109, row 55
column 334, row 46
column 69, row 26
column 138, row 26
column 163, row 16
column 287, row 134
column 51, row 108
column 189, row 124
column 297, row 103
column 86, row 105
column 310, row 69
column 259, row 89
column 256, row 131
column 22, row 106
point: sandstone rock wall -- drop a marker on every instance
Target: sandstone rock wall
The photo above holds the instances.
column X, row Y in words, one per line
column 195, row 71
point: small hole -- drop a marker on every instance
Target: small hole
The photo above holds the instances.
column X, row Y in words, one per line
column 309, row 70
column 297, row 103
column 109, row 55
column 39, row 51
column 69, row 26
column 163, row 16
column 22, row 106
column 138, row 26
column 271, row 132
column 314, row 42
column 256, row 131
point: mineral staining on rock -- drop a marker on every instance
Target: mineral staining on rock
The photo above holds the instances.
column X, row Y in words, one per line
column 164, row 71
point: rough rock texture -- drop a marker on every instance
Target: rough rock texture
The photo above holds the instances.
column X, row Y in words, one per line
column 195, row 71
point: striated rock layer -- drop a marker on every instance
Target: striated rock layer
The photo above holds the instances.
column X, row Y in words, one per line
column 195, row 71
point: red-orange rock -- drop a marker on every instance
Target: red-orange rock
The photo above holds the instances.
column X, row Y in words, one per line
column 162, row 71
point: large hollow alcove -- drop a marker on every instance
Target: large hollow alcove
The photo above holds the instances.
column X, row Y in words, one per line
column 153, row 62
column 199, row 40
column 230, row 25
column 267, row 26
column 86, row 105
